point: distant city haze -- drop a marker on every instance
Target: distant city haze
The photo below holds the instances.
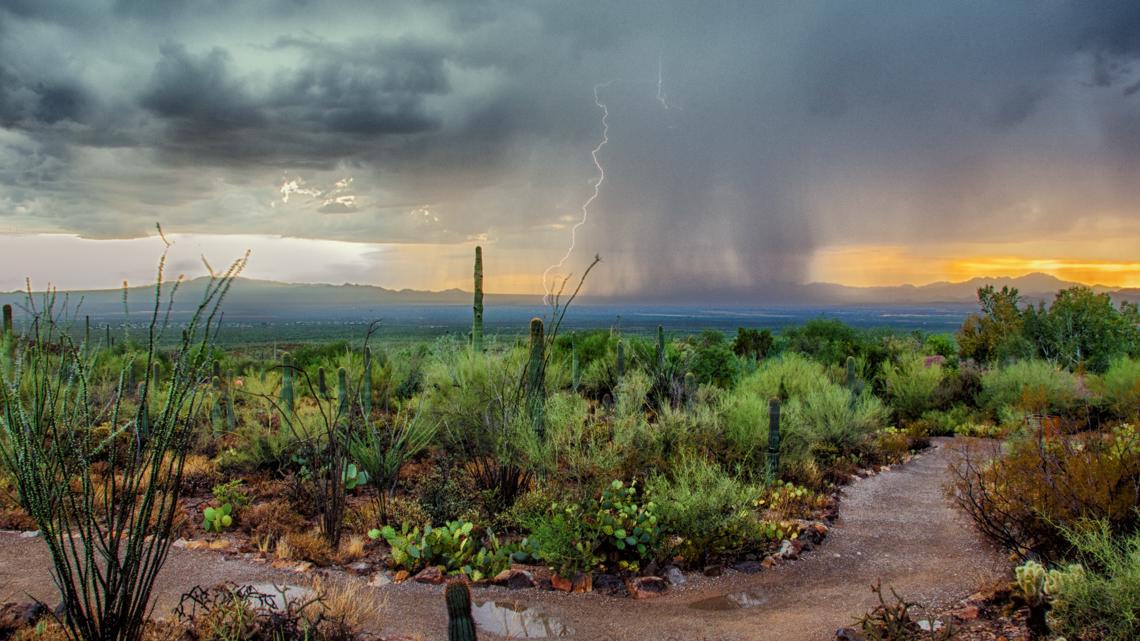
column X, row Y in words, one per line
column 750, row 146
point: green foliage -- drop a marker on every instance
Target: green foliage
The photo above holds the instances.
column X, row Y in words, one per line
column 1099, row 598
column 216, row 519
column 452, row 547
column 1120, row 388
column 911, row 384
column 353, row 477
column 1083, row 329
column 381, row 451
column 995, row 335
column 753, row 343
column 703, row 511
column 232, row 493
column 712, row 361
column 1028, row 386
column 612, row 532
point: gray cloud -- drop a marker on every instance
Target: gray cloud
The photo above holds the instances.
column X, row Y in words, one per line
column 790, row 126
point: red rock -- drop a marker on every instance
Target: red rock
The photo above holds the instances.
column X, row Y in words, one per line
column 430, row 575
column 401, row 576
column 647, row 587
column 967, row 613
column 514, row 579
column 561, row 584
column 768, row 562
column 582, row 583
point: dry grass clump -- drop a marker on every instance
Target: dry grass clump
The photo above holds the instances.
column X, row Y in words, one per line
column 271, row 520
column 304, row 546
column 351, row 549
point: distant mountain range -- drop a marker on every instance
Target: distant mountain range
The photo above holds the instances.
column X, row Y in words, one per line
column 253, row 300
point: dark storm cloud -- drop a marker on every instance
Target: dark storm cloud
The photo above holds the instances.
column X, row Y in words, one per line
column 789, row 126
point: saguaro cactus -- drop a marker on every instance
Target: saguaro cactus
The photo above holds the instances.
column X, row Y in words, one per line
column 366, row 384
column 536, row 377
column 231, row 411
column 690, row 388
column 620, row 358
column 322, row 384
column 342, row 392
column 773, row 440
column 7, row 320
column 287, row 382
column 460, row 625
column 477, row 316
column 575, row 368
column 660, row 350
column 851, row 374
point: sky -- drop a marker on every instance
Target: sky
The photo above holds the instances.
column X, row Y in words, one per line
column 746, row 143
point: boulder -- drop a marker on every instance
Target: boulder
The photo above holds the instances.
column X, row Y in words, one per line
column 647, row 587
column 430, row 575
column 674, row 575
column 514, row 579
column 610, row 584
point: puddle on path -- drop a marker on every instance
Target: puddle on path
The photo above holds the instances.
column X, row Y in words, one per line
column 517, row 622
column 283, row 593
column 731, row 601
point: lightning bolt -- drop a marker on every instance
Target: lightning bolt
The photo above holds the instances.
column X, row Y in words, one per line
column 660, row 85
column 546, row 285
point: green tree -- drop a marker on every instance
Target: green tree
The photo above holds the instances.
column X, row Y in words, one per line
column 995, row 335
column 1082, row 329
column 755, row 343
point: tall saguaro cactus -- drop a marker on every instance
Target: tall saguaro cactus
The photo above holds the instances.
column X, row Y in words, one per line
column 660, row 350
column 287, row 382
column 342, row 392
column 460, row 625
column 536, row 377
column 620, row 358
column 477, row 316
column 575, row 367
column 7, row 320
column 773, row 440
column 851, row 374
column 366, row 384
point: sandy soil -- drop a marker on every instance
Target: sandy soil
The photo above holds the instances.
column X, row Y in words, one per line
column 895, row 526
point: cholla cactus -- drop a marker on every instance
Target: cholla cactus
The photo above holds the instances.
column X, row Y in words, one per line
column 1030, row 579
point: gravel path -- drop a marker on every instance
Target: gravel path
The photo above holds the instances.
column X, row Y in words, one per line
column 895, row 526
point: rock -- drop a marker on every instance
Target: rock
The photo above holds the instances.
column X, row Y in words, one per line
column 401, row 576
column 430, row 575
column 582, row 583
column 748, row 567
column 561, row 584
column 674, row 575
column 360, row 567
column 714, row 570
column 379, row 580
column 966, row 613
column 514, row 579
column 768, row 562
column 179, row 543
column 14, row 616
column 849, row 634
column 34, row 534
column 647, row 587
column 610, row 584
column 544, row 583
column 787, row 550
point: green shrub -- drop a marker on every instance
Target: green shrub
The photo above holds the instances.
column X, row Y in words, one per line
column 911, row 384
column 1029, row 386
column 1100, row 598
column 828, row 420
column 792, row 373
column 452, row 547
column 1120, row 387
column 709, row 512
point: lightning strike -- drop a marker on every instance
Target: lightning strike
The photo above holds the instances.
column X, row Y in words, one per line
column 660, row 85
column 546, row 285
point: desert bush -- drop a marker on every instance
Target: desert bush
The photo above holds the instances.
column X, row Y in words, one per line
column 829, row 421
column 1099, row 598
column 228, row 612
column 703, row 511
column 1025, row 498
column 788, row 375
column 911, row 384
column 711, row 360
column 1119, row 388
column 1029, row 386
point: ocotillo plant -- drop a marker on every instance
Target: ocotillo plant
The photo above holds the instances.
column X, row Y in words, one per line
column 660, row 350
column 7, row 320
column 773, row 440
column 477, row 316
column 287, row 383
column 460, row 625
column 536, row 377
column 620, row 358
column 366, row 384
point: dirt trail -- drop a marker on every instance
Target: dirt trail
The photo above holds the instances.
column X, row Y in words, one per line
column 896, row 526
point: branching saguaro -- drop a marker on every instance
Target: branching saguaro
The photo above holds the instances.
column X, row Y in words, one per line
column 108, row 534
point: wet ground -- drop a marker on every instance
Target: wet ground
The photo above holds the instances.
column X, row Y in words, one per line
column 896, row 526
